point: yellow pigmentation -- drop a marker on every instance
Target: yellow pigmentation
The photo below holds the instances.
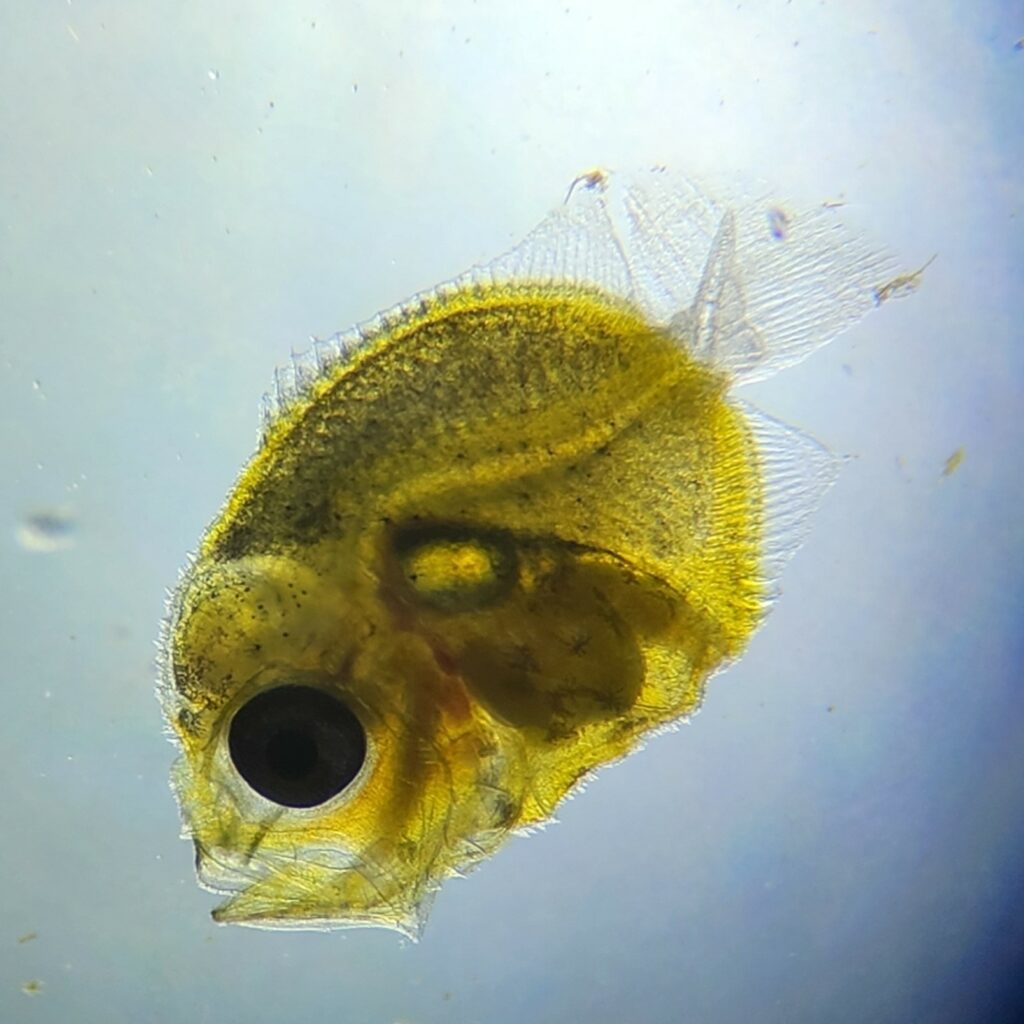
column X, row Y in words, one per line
column 482, row 554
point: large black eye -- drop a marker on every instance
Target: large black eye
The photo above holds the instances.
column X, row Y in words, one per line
column 296, row 745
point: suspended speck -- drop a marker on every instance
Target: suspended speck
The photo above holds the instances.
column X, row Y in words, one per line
column 595, row 178
column 778, row 223
column 953, row 462
column 901, row 285
column 47, row 531
column 213, row 74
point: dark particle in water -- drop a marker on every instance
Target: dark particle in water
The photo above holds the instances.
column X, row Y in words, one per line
column 778, row 223
column 46, row 531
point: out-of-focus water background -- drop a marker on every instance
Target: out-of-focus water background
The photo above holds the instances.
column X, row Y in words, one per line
column 189, row 190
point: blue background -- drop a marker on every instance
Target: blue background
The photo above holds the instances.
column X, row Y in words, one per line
column 186, row 189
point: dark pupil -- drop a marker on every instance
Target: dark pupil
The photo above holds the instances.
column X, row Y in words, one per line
column 297, row 745
column 292, row 755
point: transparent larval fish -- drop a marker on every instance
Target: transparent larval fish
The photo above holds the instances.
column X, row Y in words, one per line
column 491, row 540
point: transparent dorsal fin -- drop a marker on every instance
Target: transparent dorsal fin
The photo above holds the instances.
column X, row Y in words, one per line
column 797, row 473
column 715, row 326
column 748, row 284
column 305, row 368
column 576, row 242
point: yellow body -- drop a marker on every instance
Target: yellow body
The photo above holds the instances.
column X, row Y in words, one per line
column 516, row 530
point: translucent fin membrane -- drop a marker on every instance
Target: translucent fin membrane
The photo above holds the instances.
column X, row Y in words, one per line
column 305, row 368
column 748, row 284
column 797, row 473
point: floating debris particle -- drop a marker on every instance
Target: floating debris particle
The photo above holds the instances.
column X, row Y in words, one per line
column 778, row 223
column 27, row 937
column 901, row 285
column 47, row 531
column 32, row 987
column 594, row 178
column 953, row 462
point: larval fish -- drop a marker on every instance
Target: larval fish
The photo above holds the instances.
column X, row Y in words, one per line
column 492, row 539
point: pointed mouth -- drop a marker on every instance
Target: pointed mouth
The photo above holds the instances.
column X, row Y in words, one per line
column 238, row 909
column 222, row 871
